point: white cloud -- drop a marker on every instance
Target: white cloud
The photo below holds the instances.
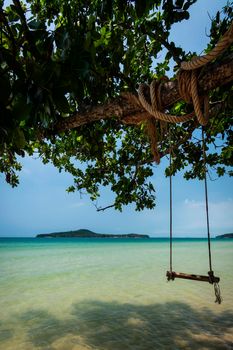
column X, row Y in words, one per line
column 193, row 203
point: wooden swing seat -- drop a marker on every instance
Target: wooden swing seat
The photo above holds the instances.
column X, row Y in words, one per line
column 171, row 275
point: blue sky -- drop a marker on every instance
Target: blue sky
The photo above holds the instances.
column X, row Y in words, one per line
column 40, row 204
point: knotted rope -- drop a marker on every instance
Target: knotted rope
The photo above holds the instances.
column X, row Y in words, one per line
column 150, row 108
column 188, row 89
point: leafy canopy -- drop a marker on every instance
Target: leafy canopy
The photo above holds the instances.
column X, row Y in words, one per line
column 60, row 57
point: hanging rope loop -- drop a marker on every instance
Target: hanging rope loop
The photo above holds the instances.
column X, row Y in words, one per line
column 150, row 107
column 187, row 82
column 188, row 88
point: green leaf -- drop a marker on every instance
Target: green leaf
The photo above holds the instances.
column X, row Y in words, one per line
column 186, row 15
column 12, row 13
column 36, row 24
column 220, row 171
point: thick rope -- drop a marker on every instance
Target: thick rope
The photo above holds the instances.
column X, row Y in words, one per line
column 206, row 200
column 187, row 85
column 196, row 100
column 211, row 272
column 217, row 293
column 184, row 85
column 156, row 113
column 188, row 89
column 152, row 133
column 170, row 183
column 221, row 46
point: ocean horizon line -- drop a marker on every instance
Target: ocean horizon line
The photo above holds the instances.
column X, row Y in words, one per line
column 114, row 235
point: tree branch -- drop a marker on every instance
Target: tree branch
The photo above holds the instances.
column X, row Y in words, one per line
column 102, row 209
column 213, row 76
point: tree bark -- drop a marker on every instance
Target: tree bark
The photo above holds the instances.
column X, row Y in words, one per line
column 211, row 77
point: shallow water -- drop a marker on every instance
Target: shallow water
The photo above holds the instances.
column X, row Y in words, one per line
column 110, row 294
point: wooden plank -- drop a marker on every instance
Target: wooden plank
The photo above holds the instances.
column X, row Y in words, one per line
column 211, row 279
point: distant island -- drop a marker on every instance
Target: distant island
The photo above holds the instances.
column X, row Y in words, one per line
column 83, row 233
column 226, row 235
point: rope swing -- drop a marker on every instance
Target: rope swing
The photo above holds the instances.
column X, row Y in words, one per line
column 211, row 278
column 188, row 89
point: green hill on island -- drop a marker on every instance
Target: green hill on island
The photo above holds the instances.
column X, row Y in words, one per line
column 83, row 233
column 226, row 235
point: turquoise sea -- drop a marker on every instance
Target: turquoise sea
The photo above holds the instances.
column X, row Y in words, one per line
column 112, row 294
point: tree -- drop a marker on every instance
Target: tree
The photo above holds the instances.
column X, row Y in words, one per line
column 66, row 69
